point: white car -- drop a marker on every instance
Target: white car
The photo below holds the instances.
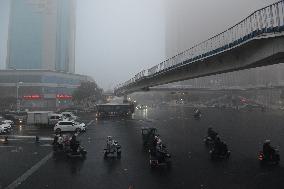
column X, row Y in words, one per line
column 5, row 125
column 3, row 130
column 8, row 121
column 69, row 126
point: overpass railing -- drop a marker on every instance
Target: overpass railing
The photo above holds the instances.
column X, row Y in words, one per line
column 265, row 21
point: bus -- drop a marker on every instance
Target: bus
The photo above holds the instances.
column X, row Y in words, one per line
column 114, row 110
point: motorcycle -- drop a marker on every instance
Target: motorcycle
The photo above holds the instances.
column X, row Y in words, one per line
column 58, row 146
column 197, row 115
column 64, row 147
column 79, row 152
column 160, row 157
column 148, row 136
column 112, row 148
column 271, row 159
column 217, row 154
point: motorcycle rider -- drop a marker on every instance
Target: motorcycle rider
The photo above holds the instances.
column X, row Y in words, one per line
column 160, row 150
column 60, row 141
column 155, row 142
column 217, row 145
column 55, row 139
column 268, row 150
column 110, row 143
column 159, row 144
column 197, row 111
column 211, row 133
column 73, row 143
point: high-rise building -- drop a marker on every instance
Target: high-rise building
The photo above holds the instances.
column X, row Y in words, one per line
column 42, row 35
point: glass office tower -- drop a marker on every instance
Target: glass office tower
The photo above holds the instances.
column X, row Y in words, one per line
column 42, row 35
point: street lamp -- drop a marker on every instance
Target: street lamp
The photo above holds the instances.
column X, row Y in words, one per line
column 17, row 95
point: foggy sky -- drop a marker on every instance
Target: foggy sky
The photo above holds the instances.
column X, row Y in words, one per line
column 189, row 22
column 118, row 38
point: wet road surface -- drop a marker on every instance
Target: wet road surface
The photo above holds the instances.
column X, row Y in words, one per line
column 191, row 166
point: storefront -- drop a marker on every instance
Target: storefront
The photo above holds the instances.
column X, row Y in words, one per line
column 39, row 89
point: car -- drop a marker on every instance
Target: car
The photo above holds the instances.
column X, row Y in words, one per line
column 8, row 121
column 69, row 126
column 3, row 130
column 6, row 125
column 54, row 118
column 141, row 107
column 69, row 115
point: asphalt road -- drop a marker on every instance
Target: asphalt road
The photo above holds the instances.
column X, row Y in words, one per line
column 28, row 165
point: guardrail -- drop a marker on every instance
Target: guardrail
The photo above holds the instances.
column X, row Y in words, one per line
column 264, row 21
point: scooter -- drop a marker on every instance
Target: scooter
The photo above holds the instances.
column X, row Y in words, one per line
column 80, row 152
column 197, row 116
column 272, row 159
column 214, row 154
column 66, row 149
column 159, row 158
column 113, row 149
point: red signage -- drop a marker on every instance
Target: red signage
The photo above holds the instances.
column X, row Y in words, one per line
column 32, row 97
column 244, row 100
column 63, row 96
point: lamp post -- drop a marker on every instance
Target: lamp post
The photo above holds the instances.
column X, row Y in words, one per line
column 17, row 95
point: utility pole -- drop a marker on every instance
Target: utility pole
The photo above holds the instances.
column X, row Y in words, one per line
column 17, row 95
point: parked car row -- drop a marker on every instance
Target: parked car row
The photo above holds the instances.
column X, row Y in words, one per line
column 66, row 122
column 5, row 125
column 48, row 117
column 62, row 122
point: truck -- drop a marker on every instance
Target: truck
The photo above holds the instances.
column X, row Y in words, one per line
column 114, row 110
column 39, row 117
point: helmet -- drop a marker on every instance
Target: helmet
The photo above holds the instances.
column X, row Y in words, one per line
column 267, row 141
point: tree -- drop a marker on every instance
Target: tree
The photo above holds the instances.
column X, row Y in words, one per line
column 87, row 92
column 7, row 102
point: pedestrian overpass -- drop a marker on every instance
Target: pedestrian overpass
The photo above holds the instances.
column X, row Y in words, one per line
column 258, row 40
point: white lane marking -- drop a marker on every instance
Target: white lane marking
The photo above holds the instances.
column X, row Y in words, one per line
column 46, row 145
column 21, row 137
column 7, row 146
column 29, row 172
column 14, row 139
column 46, row 138
column 90, row 122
